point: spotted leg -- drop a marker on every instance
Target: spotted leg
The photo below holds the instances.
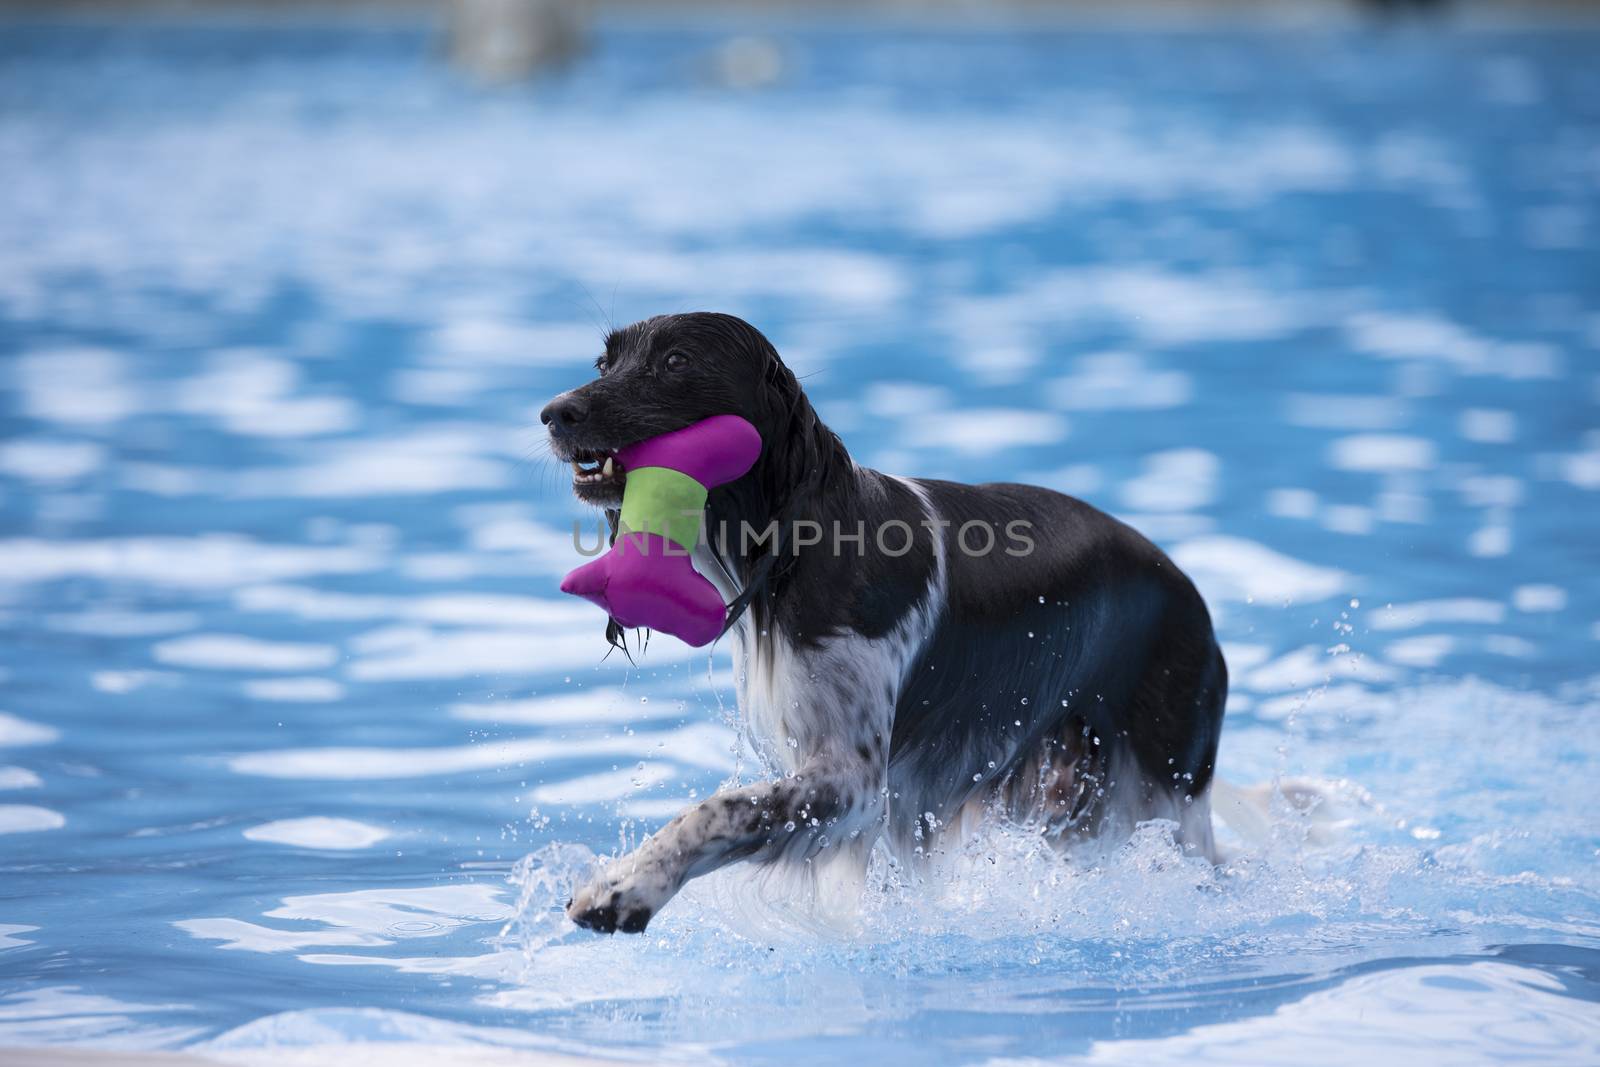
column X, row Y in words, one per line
column 831, row 799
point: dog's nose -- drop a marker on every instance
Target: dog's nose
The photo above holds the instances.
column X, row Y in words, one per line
column 566, row 411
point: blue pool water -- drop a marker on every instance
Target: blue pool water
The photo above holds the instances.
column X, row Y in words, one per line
column 301, row 746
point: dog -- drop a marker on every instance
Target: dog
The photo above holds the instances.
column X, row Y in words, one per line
column 902, row 683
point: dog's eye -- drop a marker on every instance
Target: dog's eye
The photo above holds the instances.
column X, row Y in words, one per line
column 602, row 365
column 675, row 361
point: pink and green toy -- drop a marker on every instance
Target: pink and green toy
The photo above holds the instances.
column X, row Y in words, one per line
column 646, row 579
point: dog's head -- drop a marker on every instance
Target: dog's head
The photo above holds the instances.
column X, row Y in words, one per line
column 665, row 373
column 660, row 375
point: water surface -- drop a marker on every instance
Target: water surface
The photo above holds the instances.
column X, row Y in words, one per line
column 288, row 688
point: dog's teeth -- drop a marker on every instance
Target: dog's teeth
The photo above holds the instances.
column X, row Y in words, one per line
column 606, row 470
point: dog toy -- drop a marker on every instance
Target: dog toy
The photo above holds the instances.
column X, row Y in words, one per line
column 645, row 578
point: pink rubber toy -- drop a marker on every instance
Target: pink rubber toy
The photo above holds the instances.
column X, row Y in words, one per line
column 646, row 579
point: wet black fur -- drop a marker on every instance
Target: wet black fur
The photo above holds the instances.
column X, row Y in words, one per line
column 1094, row 641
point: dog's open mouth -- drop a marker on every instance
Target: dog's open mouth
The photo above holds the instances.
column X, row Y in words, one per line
column 596, row 473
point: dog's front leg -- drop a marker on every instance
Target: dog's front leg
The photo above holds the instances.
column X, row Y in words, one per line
column 830, row 800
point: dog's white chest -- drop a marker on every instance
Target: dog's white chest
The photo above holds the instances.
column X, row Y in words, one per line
column 770, row 702
column 768, row 695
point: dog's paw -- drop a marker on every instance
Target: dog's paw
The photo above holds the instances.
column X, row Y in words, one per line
column 606, row 906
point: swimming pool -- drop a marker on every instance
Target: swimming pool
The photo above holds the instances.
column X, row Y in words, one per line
column 302, row 747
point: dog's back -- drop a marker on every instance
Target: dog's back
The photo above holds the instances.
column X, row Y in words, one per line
column 1077, row 684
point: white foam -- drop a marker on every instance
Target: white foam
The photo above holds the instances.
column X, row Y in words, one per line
column 1119, row 381
column 1313, row 665
column 237, row 652
column 504, row 341
column 361, row 918
column 112, row 623
column 51, row 462
column 1407, row 507
column 1490, row 490
column 1494, row 1013
column 1077, row 479
column 1539, row 598
column 605, row 786
column 982, row 431
column 439, row 386
column 1348, row 519
column 19, row 778
column 164, row 479
column 1161, row 307
column 1183, row 479
column 1488, row 426
column 1335, row 411
column 1582, row 469
column 294, row 690
column 1423, row 650
column 204, row 561
column 1172, row 308
column 60, row 1015
column 444, row 566
column 380, row 1037
column 1244, row 656
column 7, row 940
column 1166, row 527
column 1510, row 646
column 253, row 937
column 27, row 819
column 899, row 400
column 19, row 731
column 1330, row 699
column 429, row 461
column 387, row 638
column 699, row 745
column 1433, row 612
column 603, row 705
column 1423, row 336
column 828, row 275
column 507, row 528
column 318, row 831
column 120, row 682
column 250, row 392
column 466, row 653
column 1490, row 541
column 662, row 808
column 75, row 386
column 1292, row 503
column 997, row 362
column 1382, row 452
column 1233, row 568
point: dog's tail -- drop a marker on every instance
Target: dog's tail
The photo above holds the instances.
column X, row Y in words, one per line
column 1258, row 814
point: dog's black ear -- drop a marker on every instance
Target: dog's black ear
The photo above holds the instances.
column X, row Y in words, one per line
column 800, row 459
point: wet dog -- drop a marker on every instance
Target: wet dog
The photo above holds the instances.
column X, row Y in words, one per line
column 911, row 654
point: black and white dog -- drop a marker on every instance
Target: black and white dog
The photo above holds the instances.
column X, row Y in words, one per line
column 904, row 679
